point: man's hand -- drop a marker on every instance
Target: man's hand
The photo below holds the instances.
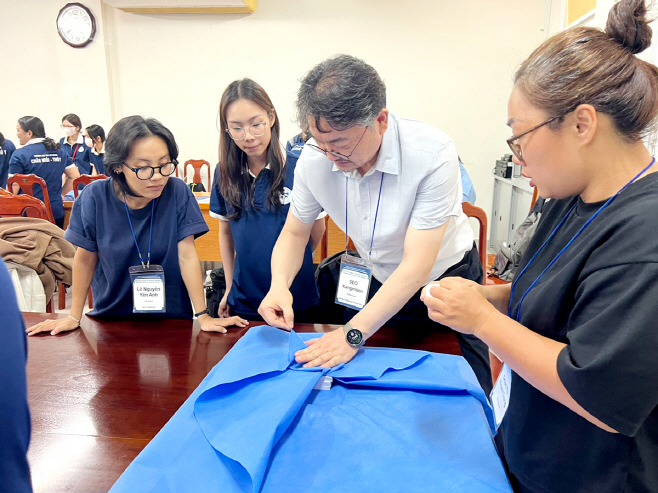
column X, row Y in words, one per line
column 276, row 309
column 328, row 351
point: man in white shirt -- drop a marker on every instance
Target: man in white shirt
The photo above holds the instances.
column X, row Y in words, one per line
column 393, row 185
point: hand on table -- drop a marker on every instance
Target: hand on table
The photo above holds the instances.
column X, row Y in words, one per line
column 327, row 351
column 209, row 324
column 276, row 309
column 53, row 326
column 458, row 303
column 223, row 310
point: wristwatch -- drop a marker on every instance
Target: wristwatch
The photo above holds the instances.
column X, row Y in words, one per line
column 353, row 336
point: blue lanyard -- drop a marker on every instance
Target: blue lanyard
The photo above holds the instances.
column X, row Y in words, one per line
column 372, row 238
column 534, row 283
column 148, row 257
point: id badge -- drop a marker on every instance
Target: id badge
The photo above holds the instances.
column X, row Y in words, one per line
column 353, row 282
column 148, row 288
column 500, row 394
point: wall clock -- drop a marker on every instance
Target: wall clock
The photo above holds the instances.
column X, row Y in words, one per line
column 76, row 25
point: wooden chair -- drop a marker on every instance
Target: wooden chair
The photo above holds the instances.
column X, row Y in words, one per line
column 23, row 205
column 85, row 180
column 197, row 164
column 472, row 211
column 26, row 183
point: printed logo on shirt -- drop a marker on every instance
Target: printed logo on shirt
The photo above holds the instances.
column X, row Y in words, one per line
column 45, row 158
column 285, row 196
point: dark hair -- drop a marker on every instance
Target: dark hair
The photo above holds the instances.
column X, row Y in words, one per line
column 2, row 139
column 35, row 125
column 74, row 119
column 343, row 90
column 96, row 131
column 120, row 141
column 234, row 182
column 585, row 65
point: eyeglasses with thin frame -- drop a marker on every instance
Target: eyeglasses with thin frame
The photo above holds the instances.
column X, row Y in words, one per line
column 340, row 157
column 516, row 147
column 147, row 172
column 67, row 126
column 240, row 133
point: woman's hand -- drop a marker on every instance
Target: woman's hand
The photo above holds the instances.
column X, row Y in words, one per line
column 53, row 326
column 223, row 310
column 328, row 351
column 210, row 324
column 458, row 303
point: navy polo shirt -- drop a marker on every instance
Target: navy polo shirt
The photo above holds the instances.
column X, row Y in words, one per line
column 81, row 152
column 98, row 162
column 6, row 150
column 14, row 414
column 49, row 165
column 254, row 236
column 99, row 223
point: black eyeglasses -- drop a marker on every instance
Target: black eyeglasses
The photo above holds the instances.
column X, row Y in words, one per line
column 336, row 154
column 515, row 147
column 147, row 172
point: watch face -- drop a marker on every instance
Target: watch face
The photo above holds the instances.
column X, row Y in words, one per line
column 354, row 337
column 76, row 25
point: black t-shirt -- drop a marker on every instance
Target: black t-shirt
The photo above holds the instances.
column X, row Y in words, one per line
column 601, row 299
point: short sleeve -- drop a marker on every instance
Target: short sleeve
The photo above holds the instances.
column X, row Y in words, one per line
column 439, row 194
column 217, row 204
column 609, row 365
column 302, row 202
column 189, row 216
column 82, row 223
column 16, row 166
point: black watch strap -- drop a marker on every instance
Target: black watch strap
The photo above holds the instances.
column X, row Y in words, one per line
column 204, row 312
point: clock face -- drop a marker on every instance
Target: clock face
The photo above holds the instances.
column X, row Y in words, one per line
column 76, row 25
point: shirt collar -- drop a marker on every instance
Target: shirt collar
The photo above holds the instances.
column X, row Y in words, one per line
column 93, row 150
column 267, row 166
column 36, row 140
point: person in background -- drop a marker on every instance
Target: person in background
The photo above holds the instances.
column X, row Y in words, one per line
column 392, row 185
column 577, row 328
column 15, row 414
column 468, row 190
column 95, row 141
column 44, row 157
column 135, row 235
column 251, row 197
column 73, row 143
column 7, row 148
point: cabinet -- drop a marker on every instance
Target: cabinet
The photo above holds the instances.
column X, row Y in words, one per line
column 511, row 203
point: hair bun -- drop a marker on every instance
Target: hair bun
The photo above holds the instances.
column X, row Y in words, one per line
column 628, row 26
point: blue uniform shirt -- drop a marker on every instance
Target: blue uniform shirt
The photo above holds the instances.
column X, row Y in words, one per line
column 97, row 161
column 14, row 412
column 467, row 186
column 49, row 165
column 81, row 153
column 99, row 224
column 6, row 150
column 254, row 236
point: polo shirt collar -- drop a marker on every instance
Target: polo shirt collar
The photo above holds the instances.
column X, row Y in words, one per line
column 36, row 140
column 267, row 166
column 93, row 150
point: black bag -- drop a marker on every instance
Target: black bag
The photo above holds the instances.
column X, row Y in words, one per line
column 326, row 279
column 215, row 291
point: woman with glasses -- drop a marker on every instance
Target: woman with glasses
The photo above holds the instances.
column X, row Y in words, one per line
column 135, row 235
column 577, row 328
column 73, row 143
column 42, row 156
column 251, row 197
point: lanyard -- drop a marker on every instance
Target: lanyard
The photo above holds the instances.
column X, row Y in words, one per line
column 148, row 257
column 372, row 238
column 518, row 312
column 75, row 152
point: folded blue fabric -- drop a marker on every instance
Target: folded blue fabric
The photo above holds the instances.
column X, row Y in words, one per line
column 394, row 420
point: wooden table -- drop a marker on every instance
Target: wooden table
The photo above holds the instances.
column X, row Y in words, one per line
column 98, row 395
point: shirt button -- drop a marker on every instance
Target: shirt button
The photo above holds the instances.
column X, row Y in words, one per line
column 363, row 184
column 365, row 218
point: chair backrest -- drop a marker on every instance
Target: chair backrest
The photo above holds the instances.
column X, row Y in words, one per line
column 85, row 180
column 197, row 164
column 19, row 205
column 26, row 183
column 472, row 211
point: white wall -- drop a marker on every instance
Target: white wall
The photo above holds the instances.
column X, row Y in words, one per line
column 447, row 62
